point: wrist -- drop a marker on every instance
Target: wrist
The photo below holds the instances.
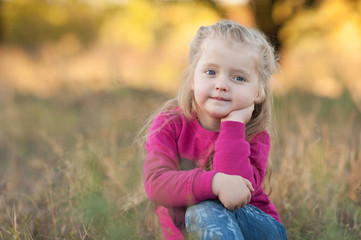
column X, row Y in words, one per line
column 215, row 189
column 234, row 117
column 226, row 119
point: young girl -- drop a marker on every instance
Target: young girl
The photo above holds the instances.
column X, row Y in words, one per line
column 207, row 149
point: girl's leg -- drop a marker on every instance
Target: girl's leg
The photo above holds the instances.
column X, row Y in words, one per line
column 257, row 225
column 211, row 220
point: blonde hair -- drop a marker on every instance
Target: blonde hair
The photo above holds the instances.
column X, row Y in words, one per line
column 266, row 65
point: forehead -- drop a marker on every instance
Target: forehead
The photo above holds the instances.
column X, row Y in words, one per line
column 229, row 52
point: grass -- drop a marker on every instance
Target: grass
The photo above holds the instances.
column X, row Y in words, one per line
column 70, row 168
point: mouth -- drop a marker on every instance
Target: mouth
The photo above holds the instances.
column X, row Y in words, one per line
column 220, row 99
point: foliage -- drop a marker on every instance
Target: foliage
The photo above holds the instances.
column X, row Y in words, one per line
column 68, row 117
column 320, row 49
column 71, row 169
column 140, row 43
column 30, row 24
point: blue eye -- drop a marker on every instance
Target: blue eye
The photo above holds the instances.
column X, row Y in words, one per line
column 210, row 72
column 239, row 78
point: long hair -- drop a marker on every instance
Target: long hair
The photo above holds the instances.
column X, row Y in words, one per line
column 266, row 65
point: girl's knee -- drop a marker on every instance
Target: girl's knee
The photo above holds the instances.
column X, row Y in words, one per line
column 210, row 220
column 202, row 212
column 203, row 208
column 196, row 210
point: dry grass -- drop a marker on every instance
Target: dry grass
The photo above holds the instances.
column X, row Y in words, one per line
column 317, row 167
column 70, row 169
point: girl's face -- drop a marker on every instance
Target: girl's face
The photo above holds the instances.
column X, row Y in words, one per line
column 225, row 80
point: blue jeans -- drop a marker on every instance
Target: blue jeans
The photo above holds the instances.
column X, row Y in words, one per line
column 211, row 220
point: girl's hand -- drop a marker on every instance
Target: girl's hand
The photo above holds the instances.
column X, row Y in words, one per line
column 232, row 190
column 242, row 115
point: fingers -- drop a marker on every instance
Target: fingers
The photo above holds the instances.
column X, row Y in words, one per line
column 239, row 205
column 242, row 205
column 236, row 193
column 241, row 115
column 234, row 206
column 248, row 199
column 249, row 184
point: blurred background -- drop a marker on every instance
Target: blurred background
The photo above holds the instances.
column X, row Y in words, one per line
column 79, row 78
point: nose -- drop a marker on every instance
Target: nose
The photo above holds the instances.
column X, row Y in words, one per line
column 221, row 84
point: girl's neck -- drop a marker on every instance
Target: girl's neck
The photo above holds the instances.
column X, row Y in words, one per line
column 209, row 123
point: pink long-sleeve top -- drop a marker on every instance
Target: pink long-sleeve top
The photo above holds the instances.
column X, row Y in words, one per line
column 177, row 149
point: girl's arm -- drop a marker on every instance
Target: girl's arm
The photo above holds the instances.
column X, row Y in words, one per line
column 164, row 182
column 235, row 156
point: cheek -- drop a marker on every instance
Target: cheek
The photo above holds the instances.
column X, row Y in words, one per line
column 242, row 103
column 198, row 93
column 244, row 100
column 195, row 81
column 198, row 88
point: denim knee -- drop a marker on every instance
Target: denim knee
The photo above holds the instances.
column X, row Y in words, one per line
column 202, row 209
column 209, row 220
column 195, row 212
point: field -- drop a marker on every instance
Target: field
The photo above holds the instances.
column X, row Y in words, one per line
column 71, row 169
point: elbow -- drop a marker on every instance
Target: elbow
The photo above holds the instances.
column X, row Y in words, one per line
column 150, row 191
column 155, row 193
column 149, row 186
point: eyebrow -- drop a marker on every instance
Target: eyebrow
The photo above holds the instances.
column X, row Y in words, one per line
column 243, row 71
column 209, row 65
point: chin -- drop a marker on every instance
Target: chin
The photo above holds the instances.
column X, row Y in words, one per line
column 218, row 115
column 217, row 112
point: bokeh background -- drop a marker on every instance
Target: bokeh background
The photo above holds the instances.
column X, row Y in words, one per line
column 79, row 78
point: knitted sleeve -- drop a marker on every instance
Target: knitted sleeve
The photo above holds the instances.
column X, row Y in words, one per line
column 165, row 183
column 235, row 156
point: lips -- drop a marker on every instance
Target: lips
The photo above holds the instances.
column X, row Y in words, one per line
column 220, row 99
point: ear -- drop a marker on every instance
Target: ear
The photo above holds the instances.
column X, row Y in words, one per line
column 260, row 96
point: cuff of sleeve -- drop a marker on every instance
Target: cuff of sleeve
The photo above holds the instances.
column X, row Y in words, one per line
column 202, row 186
column 233, row 129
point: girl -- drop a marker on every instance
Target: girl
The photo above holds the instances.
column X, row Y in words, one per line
column 207, row 149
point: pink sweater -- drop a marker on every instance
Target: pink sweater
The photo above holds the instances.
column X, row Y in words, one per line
column 177, row 150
